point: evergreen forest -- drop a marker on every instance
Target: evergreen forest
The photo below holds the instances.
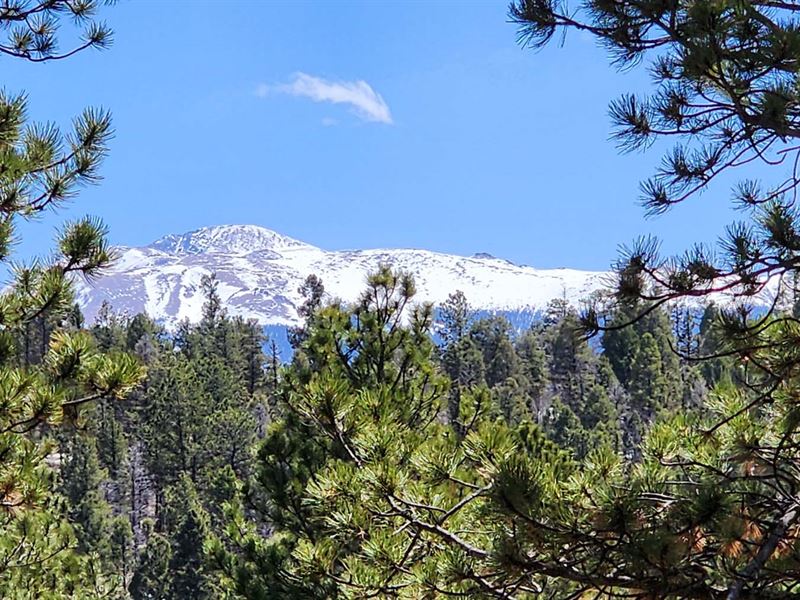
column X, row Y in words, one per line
column 643, row 445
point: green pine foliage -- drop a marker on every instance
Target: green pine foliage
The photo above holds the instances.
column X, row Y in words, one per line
column 360, row 373
column 186, row 525
column 367, row 406
column 172, row 455
column 357, row 453
column 82, row 475
column 152, row 577
column 50, row 369
column 366, row 487
column 403, row 456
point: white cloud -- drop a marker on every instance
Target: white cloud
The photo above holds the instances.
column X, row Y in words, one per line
column 366, row 103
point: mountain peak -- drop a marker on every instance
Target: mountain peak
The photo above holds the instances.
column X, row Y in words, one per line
column 260, row 273
column 226, row 239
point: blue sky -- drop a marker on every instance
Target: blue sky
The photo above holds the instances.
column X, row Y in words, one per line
column 457, row 140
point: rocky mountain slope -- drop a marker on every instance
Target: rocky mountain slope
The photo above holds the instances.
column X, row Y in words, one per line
column 259, row 273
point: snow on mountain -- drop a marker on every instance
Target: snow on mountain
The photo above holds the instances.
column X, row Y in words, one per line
column 259, row 273
column 227, row 239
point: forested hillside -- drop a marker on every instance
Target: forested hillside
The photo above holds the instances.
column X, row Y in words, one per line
column 194, row 485
column 645, row 446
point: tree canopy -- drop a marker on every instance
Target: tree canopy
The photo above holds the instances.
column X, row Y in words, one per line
column 688, row 495
column 412, row 451
column 49, row 368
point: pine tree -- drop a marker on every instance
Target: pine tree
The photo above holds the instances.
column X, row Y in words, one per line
column 461, row 357
column 357, row 455
column 492, row 336
column 620, row 345
column 139, row 328
column 533, row 361
column 112, row 445
column 456, row 317
column 187, row 526
column 716, row 365
column 564, row 427
column 360, row 497
column 109, row 328
column 47, row 372
column 725, row 92
column 649, row 389
column 152, row 577
column 252, row 344
column 312, row 291
column 82, row 478
column 198, row 418
column 358, row 370
column 121, row 544
column 195, row 426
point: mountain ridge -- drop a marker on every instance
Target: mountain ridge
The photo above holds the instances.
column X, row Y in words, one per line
column 260, row 270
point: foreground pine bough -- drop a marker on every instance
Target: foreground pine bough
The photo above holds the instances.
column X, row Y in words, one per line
column 371, row 492
column 490, row 467
column 49, row 368
column 401, row 504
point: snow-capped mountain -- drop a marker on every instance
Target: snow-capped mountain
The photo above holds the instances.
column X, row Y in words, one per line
column 259, row 273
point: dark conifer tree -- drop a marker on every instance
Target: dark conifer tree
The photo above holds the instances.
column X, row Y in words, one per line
column 187, row 527
column 533, row 359
column 363, row 353
column 313, row 293
column 152, row 577
column 461, row 357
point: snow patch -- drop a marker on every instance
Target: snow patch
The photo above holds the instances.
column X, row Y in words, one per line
column 260, row 271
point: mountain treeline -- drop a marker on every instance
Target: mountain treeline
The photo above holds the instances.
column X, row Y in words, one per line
column 205, row 483
column 639, row 448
